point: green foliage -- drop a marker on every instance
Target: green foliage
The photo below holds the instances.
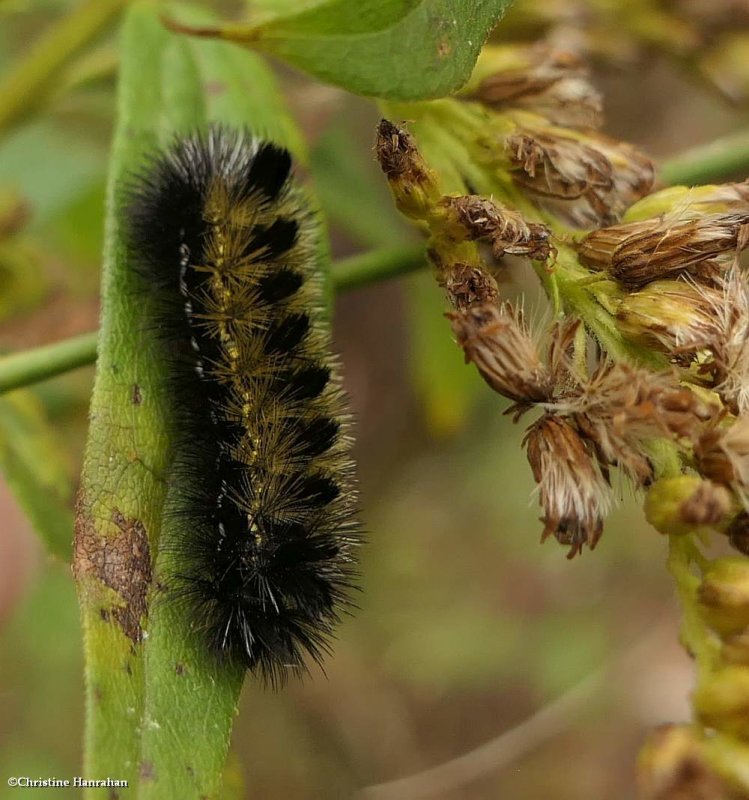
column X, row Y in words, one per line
column 37, row 469
column 397, row 49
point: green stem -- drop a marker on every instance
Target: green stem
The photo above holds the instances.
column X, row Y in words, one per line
column 40, row 363
column 48, row 361
column 376, row 265
column 30, row 81
column 719, row 159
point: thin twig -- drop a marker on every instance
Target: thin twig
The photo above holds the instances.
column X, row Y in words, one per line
column 511, row 745
column 720, row 159
column 38, row 364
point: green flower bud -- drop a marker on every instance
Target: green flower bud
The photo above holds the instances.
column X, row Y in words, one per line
column 685, row 504
column 722, row 699
column 723, row 596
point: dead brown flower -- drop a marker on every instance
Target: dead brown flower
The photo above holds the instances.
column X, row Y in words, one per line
column 722, row 454
column 496, row 339
column 482, row 219
column 574, row 494
column 585, row 179
column 620, row 407
column 553, row 84
column 467, row 285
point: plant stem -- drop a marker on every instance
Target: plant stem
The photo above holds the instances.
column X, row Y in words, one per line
column 50, row 360
column 40, row 363
column 376, row 265
column 29, row 81
column 709, row 162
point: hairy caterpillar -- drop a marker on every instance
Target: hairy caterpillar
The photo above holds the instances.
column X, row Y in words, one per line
column 227, row 247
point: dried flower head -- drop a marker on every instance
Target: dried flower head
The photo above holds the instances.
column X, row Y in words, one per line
column 585, row 179
column 574, row 494
column 467, row 284
column 728, row 340
column 482, row 219
column 496, row 339
column 552, row 83
column 620, row 407
column 638, row 253
column 722, row 454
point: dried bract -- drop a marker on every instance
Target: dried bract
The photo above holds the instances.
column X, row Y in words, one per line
column 573, row 492
column 722, row 454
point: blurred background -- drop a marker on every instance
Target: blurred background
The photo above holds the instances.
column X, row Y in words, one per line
column 467, row 626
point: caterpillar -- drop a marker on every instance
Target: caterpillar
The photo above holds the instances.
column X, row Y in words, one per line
column 227, row 249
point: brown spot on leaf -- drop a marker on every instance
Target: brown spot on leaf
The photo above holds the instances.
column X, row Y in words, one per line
column 179, row 669
column 137, row 397
column 121, row 562
column 146, row 771
column 444, row 48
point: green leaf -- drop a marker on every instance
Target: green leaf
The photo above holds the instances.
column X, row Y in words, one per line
column 37, row 469
column 395, row 49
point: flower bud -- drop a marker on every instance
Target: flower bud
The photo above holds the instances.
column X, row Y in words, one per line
column 671, row 316
column 735, row 648
column 691, row 202
column 641, row 252
column 551, row 83
column 413, row 184
column 723, row 595
column 722, row 698
column 671, row 766
column 683, row 504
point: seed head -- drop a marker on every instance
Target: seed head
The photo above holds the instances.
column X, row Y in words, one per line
column 620, row 407
column 574, row 494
